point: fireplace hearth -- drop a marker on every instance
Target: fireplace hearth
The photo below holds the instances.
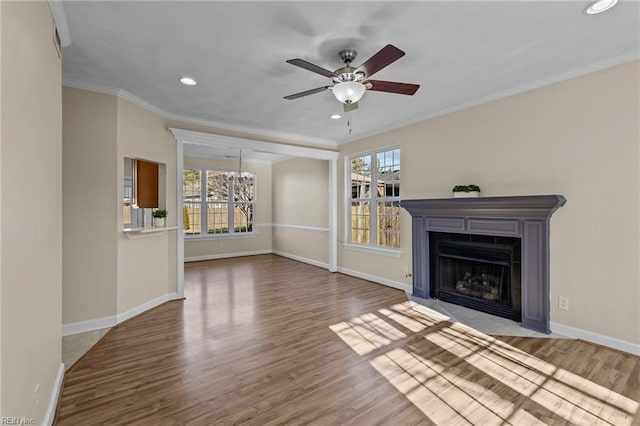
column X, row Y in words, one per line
column 490, row 229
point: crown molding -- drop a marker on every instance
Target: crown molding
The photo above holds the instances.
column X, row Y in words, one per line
column 60, row 19
column 557, row 78
column 91, row 87
column 130, row 97
column 70, row 81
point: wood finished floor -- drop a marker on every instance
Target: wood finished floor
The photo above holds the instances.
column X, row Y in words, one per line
column 265, row 340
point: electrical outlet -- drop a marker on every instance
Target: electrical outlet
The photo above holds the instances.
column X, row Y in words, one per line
column 407, row 272
column 563, row 303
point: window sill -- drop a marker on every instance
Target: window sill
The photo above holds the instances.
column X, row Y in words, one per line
column 220, row 236
column 373, row 250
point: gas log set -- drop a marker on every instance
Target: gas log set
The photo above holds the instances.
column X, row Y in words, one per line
column 480, row 286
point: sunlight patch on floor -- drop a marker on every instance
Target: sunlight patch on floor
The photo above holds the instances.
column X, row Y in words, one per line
column 457, row 375
column 367, row 333
column 569, row 396
column 413, row 320
column 443, row 396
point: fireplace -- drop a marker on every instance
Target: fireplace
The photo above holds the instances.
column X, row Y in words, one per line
column 470, row 264
column 479, row 272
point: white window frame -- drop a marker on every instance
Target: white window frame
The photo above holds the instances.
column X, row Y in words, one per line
column 204, row 226
column 373, row 220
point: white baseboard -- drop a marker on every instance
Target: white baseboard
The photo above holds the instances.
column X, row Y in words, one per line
column 384, row 281
column 107, row 322
column 600, row 339
column 50, row 415
column 301, row 259
column 226, row 255
column 89, row 325
column 146, row 306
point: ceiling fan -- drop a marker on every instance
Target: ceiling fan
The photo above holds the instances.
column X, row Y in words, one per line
column 351, row 83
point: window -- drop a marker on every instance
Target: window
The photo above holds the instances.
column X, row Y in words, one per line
column 373, row 215
column 218, row 202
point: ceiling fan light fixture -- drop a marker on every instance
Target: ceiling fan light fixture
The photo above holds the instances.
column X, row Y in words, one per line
column 349, row 91
column 600, row 6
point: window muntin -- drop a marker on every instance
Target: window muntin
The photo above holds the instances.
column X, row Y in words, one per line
column 374, row 210
column 229, row 199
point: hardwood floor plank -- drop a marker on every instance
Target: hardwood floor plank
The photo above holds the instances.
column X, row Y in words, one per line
column 265, row 340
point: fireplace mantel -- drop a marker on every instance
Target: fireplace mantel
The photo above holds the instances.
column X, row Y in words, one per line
column 525, row 217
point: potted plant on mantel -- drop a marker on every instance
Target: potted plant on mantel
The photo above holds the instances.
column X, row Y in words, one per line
column 159, row 218
column 466, row 191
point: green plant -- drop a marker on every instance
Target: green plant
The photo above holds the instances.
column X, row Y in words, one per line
column 159, row 213
column 466, row 188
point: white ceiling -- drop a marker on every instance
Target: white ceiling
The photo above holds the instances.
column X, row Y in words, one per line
column 461, row 53
column 225, row 152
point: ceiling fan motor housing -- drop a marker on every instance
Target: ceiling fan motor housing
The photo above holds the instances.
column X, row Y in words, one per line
column 347, row 55
column 347, row 74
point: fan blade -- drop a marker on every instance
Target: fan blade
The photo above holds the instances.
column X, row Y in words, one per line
column 384, row 57
column 350, row 107
column 311, row 67
column 392, row 87
column 307, row 92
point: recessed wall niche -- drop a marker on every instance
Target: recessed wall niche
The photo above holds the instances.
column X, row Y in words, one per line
column 144, row 190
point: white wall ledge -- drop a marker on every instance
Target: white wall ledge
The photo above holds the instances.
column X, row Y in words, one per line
column 134, row 233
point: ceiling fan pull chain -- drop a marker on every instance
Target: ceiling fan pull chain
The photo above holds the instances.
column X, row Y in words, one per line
column 349, row 121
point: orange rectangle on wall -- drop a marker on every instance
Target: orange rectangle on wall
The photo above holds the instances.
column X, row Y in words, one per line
column 146, row 183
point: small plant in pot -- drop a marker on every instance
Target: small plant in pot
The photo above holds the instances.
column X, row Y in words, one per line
column 159, row 218
column 466, row 191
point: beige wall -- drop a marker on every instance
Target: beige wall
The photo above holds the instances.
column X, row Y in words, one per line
column 578, row 138
column 261, row 241
column 106, row 273
column 31, row 227
column 90, row 200
column 145, row 270
column 304, row 243
column 301, row 208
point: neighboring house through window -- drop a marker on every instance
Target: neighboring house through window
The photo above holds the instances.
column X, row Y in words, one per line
column 217, row 202
column 373, row 216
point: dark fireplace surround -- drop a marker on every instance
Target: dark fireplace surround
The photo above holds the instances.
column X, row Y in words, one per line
column 523, row 218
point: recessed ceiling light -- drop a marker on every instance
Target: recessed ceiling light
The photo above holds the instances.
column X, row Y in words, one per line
column 336, row 116
column 600, row 6
column 188, row 81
